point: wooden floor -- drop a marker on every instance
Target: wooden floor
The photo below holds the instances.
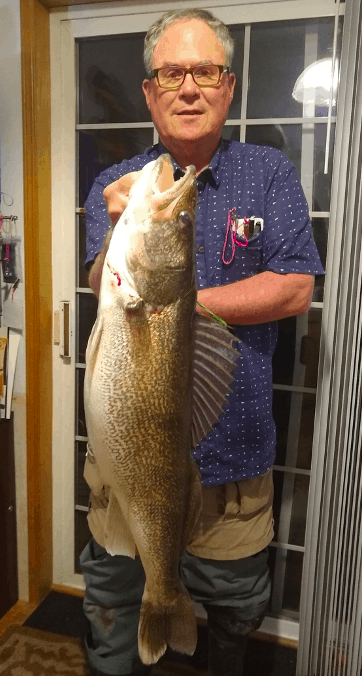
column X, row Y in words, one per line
column 16, row 615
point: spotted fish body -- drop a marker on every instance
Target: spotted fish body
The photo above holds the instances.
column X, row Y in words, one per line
column 140, row 398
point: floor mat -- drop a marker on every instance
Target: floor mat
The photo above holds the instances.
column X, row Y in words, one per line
column 25, row 651
column 60, row 613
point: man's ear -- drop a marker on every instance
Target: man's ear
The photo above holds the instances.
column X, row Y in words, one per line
column 146, row 85
column 232, row 81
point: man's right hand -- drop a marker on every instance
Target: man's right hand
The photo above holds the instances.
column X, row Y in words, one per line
column 116, row 196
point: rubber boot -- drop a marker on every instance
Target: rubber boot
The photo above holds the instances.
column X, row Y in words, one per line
column 141, row 670
column 226, row 657
column 144, row 671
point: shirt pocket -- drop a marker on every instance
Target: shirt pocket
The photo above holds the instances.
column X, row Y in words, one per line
column 247, row 261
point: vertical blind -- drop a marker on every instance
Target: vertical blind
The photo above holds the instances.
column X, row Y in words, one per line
column 330, row 622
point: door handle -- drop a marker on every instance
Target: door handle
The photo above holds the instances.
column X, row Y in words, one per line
column 65, row 329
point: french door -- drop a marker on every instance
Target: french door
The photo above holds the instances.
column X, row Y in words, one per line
column 99, row 117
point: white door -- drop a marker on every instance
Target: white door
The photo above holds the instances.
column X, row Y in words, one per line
column 98, row 118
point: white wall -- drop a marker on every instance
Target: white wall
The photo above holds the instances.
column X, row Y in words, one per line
column 12, row 184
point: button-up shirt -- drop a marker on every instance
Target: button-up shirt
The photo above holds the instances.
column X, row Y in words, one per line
column 259, row 182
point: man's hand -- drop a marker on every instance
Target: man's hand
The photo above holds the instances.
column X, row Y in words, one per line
column 116, row 196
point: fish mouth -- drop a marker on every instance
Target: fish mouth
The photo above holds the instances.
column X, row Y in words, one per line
column 166, row 190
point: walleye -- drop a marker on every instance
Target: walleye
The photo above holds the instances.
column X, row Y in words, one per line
column 156, row 378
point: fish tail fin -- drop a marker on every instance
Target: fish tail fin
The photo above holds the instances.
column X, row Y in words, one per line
column 161, row 626
column 182, row 624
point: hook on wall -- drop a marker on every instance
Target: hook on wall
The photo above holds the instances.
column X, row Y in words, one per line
column 8, row 218
column 3, row 195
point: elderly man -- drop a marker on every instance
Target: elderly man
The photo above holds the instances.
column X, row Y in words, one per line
column 254, row 191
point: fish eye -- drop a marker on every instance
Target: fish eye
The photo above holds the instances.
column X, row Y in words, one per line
column 185, row 219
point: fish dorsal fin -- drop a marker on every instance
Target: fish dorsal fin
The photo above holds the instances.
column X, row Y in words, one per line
column 214, row 361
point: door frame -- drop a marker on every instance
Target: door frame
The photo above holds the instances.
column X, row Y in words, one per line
column 35, row 63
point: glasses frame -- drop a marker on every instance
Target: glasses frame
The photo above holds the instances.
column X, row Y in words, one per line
column 222, row 69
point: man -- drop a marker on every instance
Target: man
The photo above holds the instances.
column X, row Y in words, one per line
column 188, row 91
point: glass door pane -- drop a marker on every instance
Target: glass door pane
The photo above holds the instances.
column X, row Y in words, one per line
column 110, row 72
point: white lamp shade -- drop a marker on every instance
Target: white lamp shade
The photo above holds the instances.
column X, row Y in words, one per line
column 314, row 84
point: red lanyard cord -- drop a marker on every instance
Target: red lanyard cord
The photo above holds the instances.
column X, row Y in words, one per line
column 232, row 227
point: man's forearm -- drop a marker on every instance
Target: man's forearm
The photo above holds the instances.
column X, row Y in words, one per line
column 94, row 277
column 116, row 197
column 265, row 297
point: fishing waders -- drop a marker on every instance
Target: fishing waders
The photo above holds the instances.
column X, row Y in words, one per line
column 144, row 671
column 228, row 639
column 227, row 659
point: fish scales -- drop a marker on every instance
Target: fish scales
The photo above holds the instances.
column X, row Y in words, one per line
column 139, row 399
column 157, row 371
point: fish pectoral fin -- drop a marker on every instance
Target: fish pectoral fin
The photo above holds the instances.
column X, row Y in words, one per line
column 166, row 625
column 214, row 361
column 118, row 537
column 129, row 295
column 134, row 303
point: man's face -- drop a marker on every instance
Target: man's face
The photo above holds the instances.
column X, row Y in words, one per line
column 190, row 113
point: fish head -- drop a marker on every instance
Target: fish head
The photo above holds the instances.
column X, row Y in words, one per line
column 152, row 246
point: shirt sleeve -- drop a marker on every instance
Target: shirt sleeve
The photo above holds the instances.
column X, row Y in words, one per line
column 288, row 242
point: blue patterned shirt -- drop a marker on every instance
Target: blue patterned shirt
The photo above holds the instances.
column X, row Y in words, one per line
column 262, row 182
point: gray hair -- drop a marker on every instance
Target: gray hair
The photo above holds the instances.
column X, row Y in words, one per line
column 157, row 29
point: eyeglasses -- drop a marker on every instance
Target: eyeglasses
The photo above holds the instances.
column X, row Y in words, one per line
column 173, row 77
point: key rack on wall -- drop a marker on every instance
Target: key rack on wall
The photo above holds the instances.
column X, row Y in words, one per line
column 8, row 242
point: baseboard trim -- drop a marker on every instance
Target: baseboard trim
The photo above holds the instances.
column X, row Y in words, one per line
column 65, row 589
column 277, row 640
column 17, row 615
column 283, row 641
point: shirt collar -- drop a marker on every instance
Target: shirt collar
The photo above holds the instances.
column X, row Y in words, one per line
column 212, row 174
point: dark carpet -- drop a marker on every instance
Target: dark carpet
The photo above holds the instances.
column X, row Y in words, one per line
column 62, row 614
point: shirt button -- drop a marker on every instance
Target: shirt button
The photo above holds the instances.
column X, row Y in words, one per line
column 201, row 249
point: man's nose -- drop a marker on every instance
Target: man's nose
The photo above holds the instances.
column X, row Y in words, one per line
column 189, row 86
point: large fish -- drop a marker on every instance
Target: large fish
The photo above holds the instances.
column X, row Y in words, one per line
column 156, row 378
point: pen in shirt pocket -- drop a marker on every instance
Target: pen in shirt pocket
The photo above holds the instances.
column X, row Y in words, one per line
column 249, row 226
column 242, row 229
